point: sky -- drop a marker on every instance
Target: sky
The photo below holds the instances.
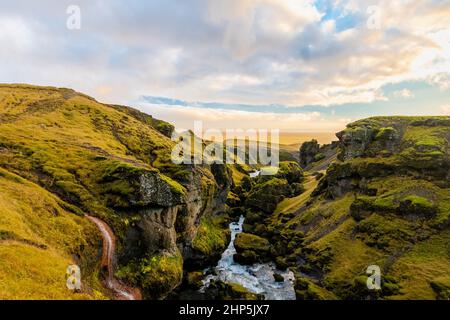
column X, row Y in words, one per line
column 295, row 65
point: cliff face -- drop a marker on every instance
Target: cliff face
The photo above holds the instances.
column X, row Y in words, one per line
column 380, row 147
column 384, row 202
column 314, row 157
column 112, row 162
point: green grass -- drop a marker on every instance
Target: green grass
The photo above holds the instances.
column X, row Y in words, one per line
column 427, row 262
column 38, row 243
column 293, row 204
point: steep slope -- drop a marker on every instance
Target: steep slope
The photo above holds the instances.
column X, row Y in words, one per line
column 314, row 157
column 385, row 202
column 39, row 239
column 114, row 163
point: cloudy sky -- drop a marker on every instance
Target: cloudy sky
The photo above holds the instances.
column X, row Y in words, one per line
column 288, row 64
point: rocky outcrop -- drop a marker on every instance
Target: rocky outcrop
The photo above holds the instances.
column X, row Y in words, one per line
column 379, row 147
column 308, row 152
column 268, row 191
column 315, row 157
column 371, row 138
column 219, row 290
column 167, row 215
column 251, row 248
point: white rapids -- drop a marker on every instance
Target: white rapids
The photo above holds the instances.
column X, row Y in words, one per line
column 257, row 278
column 255, row 174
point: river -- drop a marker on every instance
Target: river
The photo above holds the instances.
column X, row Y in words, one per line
column 257, row 278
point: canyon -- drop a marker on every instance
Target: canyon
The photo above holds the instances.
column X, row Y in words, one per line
column 93, row 184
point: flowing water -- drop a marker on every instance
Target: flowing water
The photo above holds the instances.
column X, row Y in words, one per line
column 257, row 278
column 255, row 174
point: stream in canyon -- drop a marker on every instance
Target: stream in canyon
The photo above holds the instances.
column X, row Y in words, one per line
column 258, row 278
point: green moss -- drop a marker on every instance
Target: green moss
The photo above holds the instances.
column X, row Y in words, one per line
column 418, row 201
column 385, row 133
column 441, row 286
column 157, row 274
column 246, row 241
column 246, row 257
column 194, row 279
column 267, row 193
column 212, row 235
column 293, row 204
column 175, row 186
column 233, row 291
column 233, row 200
column 386, row 233
column 425, row 263
column 291, row 171
column 306, row 289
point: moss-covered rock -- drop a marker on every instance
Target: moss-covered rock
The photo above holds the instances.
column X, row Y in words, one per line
column 157, row 274
column 290, row 171
column 213, row 236
column 417, row 205
column 246, row 241
column 246, row 257
column 231, row 291
column 306, row 289
column 251, row 249
column 308, row 152
column 194, row 280
column 266, row 195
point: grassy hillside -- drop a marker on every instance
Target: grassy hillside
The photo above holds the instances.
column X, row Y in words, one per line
column 385, row 202
column 39, row 238
column 68, row 143
column 84, row 157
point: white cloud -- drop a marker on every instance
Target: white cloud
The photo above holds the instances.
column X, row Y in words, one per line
column 404, row 94
column 251, row 26
column 184, row 117
column 442, row 80
column 16, row 34
column 235, row 51
column 445, row 110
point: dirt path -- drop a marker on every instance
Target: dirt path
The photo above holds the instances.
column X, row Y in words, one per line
column 121, row 291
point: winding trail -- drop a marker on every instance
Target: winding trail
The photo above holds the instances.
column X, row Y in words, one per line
column 121, row 291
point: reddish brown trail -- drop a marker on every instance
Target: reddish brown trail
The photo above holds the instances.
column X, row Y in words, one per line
column 121, row 291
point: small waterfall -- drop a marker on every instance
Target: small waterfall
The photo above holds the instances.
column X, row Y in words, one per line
column 257, row 278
